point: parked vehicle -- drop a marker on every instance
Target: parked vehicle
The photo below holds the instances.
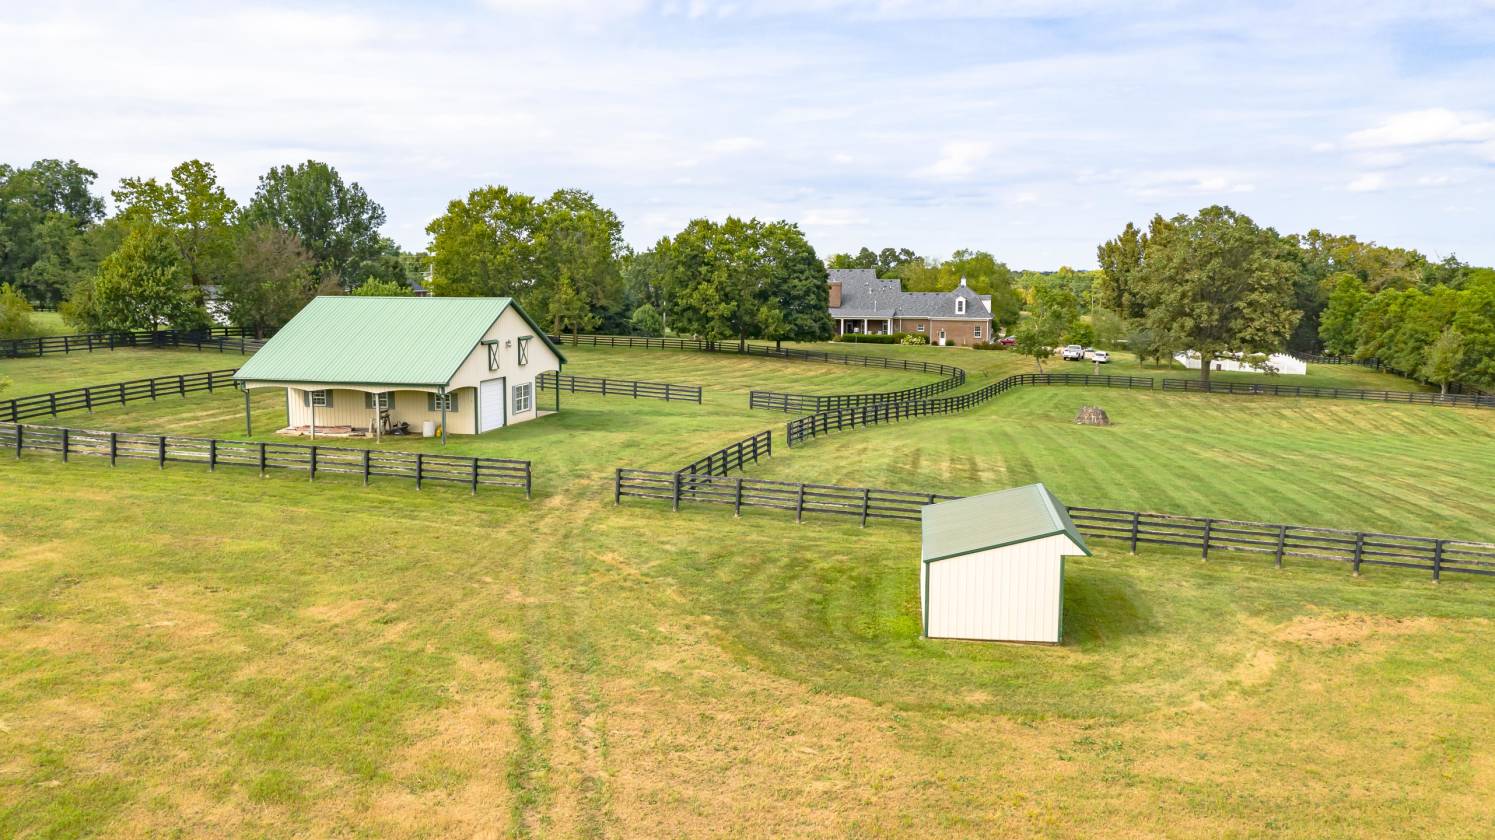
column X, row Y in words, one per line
column 1073, row 353
column 1007, row 341
column 1100, row 356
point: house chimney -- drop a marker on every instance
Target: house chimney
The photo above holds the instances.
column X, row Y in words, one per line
column 835, row 294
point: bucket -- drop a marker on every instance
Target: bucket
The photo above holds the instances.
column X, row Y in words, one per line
column 428, row 428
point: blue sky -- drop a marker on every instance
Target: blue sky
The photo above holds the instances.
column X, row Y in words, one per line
column 1030, row 130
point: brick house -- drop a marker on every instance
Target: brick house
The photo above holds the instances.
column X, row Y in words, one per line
column 863, row 304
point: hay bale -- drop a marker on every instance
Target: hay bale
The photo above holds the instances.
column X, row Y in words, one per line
column 1092, row 415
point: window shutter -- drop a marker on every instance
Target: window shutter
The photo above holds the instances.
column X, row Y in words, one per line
column 306, row 399
column 368, row 399
column 451, row 401
column 430, row 401
column 328, row 392
column 389, row 400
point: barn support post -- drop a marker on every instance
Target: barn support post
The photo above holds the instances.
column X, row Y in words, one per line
column 441, row 392
column 248, row 426
column 558, row 368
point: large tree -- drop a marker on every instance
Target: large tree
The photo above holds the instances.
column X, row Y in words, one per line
column 270, row 280
column 1337, row 323
column 1220, row 284
column 43, row 208
column 580, row 248
column 193, row 210
column 485, row 244
column 143, row 285
column 336, row 221
column 1120, row 264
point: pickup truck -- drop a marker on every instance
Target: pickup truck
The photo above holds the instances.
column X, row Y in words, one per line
column 1073, row 353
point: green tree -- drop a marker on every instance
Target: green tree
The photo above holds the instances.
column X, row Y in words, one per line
column 143, row 285
column 1219, row 284
column 1337, row 326
column 1444, row 359
column 1150, row 344
column 193, row 210
column 43, row 208
column 374, row 287
column 484, row 245
column 336, row 221
column 1475, row 322
column 1037, row 338
column 580, row 249
column 15, row 314
column 646, row 321
column 568, row 309
column 269, row 281
column 1120, row 264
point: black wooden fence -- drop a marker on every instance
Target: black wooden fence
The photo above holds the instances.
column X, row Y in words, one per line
column 1409, row 397
column 768, row 351
column 733, row 457
column 219, row 338
column 118, row 393
column 313, row 460
column 1316, row 359
column 825, row 422
column 811, row 403
column 619, row 387
column 1353, row 548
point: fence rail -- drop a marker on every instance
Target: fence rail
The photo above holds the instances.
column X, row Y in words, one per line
column 1207, row 535
column 825, row 422
column 709, row 346
column 220, row 338
column 814, row 403
column 733, row 457
column 311, row 459
column 118, row 393
column 620, row 387
column 1410, row 397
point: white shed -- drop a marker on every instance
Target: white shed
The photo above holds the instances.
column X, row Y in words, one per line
column 993, row 566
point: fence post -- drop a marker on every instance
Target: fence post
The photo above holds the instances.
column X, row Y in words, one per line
column 262, row 459
column 365, row 468
column 181, row 384
column 799, row 505
column 1136, row 526
column 19, row 430
column 528, row 480
column 737, row 504
column 88, row 399
column 113, row 447
column 420, row 462
column 866, row 503
column 64, row 444
column 312, row 472
column 153, row 388
column 474, row 476
column 1281, row 543
column 618, row 486
column 675, row 493
column 1359, row 549
column 1437, row 560
column 53, row 400
column 213, row 455
column 1204, row 549
column 161, row 451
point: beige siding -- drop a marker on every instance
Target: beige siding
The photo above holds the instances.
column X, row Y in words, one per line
column 409, row 407
column 509, row 328
column 1013, row 593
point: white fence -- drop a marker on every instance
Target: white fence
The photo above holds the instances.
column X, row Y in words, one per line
column 1275, row 363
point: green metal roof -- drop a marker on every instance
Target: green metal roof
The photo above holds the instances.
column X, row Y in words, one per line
column 992, row 520
column 379, row 340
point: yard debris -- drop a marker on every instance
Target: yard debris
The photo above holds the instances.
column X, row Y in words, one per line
column 324, row 431
column 1092, row 415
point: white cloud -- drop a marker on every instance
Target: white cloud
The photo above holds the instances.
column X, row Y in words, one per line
column 729, row 145
column 833, row 217
column 1434, row 181
column 1423, row 128
column 1190, row 182
column 957, row 159
column 1369, row 182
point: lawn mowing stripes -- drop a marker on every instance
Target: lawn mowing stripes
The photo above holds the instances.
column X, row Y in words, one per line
column 1408, row 397
column 1205, row 534
column 115, row 393
column 313, row 459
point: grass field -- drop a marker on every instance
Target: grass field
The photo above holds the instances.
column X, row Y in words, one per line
column 185, row 653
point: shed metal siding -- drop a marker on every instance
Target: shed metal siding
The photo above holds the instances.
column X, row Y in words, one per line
column 1012, row 593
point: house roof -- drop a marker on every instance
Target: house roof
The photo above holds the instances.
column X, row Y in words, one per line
column 993, row 520
column 864, row 295
column 379, row 340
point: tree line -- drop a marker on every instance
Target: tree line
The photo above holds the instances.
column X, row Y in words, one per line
column 177, row 245
column 1217, row 283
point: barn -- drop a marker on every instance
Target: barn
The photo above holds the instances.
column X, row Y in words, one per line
column 993, row 566
column 373, row 365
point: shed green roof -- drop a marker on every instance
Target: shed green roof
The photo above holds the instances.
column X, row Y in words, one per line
column 379, row 340
column 993, row 520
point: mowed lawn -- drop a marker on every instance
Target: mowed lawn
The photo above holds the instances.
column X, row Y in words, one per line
column 192, row 653
column 58, row 372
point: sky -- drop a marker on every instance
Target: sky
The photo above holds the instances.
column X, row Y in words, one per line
column 1030, row 130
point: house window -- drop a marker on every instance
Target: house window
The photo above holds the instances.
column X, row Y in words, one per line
column 436, row 402
column 920, row 328
column 524, row 349
column 383, row 402
column 524, row 397
column 492, row 354
column 960, row 306
column 319, row 399
column 976, row 331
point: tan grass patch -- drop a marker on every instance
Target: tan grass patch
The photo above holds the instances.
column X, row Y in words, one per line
column 1349, row 628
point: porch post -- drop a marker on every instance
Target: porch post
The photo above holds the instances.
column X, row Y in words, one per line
column 558, row 366
column 248, row 428
column 312, row 400
column 442, row 392
column 864, row 326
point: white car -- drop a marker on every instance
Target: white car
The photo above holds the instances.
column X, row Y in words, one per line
column 1072, row 353
column 1100, row 356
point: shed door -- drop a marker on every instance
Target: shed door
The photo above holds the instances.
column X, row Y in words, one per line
column 491, row 405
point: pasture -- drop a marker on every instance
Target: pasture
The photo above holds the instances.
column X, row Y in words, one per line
column 184, row 652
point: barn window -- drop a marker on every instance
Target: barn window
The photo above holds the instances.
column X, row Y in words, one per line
column 318, row 399
column 382, row 401
column 524, row 349
column 436, row 402
column 524, row 397
column 976, row 331
column 492, row 354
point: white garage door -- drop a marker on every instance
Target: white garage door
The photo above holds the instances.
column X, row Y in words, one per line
column 491, row 405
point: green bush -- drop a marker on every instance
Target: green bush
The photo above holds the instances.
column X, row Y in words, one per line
column 990, row 345
column 870, row 339
column 913, row 339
